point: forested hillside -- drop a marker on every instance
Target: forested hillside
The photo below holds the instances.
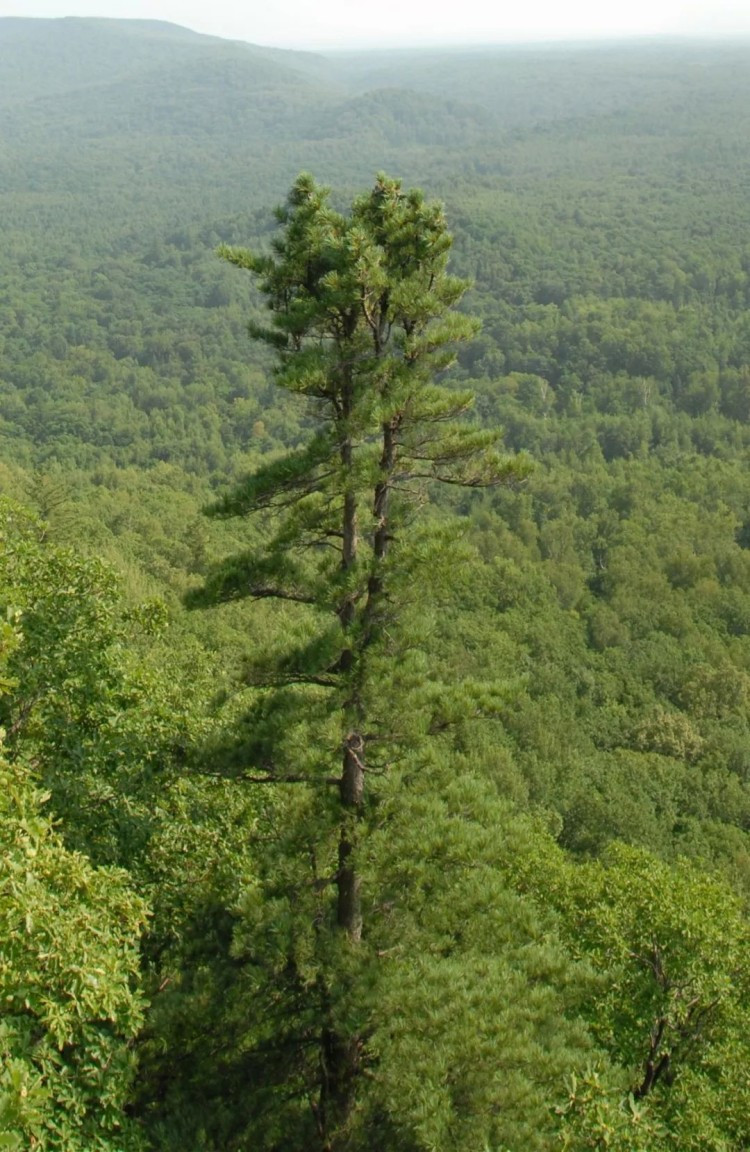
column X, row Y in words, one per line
column 402, row 801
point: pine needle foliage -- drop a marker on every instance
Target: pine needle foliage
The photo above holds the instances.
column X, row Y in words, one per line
column 363, row 323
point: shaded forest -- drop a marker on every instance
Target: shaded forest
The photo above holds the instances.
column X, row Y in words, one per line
column 502, row 565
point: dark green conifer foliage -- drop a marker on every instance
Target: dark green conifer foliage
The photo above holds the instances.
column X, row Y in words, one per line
column 363, row 321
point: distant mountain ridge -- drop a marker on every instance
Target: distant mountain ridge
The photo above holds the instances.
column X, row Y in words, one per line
column 46, row 57
column 126, row 121
column 509, row 88
column 85, row 103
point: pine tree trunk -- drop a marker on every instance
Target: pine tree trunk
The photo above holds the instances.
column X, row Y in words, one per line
column 339, row 1051
column 352, row 790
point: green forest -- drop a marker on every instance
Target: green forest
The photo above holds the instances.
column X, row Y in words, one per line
column 374, row 595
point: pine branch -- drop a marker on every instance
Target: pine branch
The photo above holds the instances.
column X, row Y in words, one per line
column 268, row 593
column 282, row 680
column 286, row 778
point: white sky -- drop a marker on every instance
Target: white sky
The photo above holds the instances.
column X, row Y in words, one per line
column 378, row 23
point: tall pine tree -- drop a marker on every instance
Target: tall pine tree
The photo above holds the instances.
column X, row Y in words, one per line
column 363, row 321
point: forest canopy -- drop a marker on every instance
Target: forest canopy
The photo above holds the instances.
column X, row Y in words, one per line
column 403, row 800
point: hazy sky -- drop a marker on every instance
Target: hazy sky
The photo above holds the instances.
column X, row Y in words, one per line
column 330, row 23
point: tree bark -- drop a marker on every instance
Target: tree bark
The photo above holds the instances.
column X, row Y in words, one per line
column 339, row 1056
column 352, row 790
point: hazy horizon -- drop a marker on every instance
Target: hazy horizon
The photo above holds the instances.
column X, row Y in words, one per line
column 335, row 25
